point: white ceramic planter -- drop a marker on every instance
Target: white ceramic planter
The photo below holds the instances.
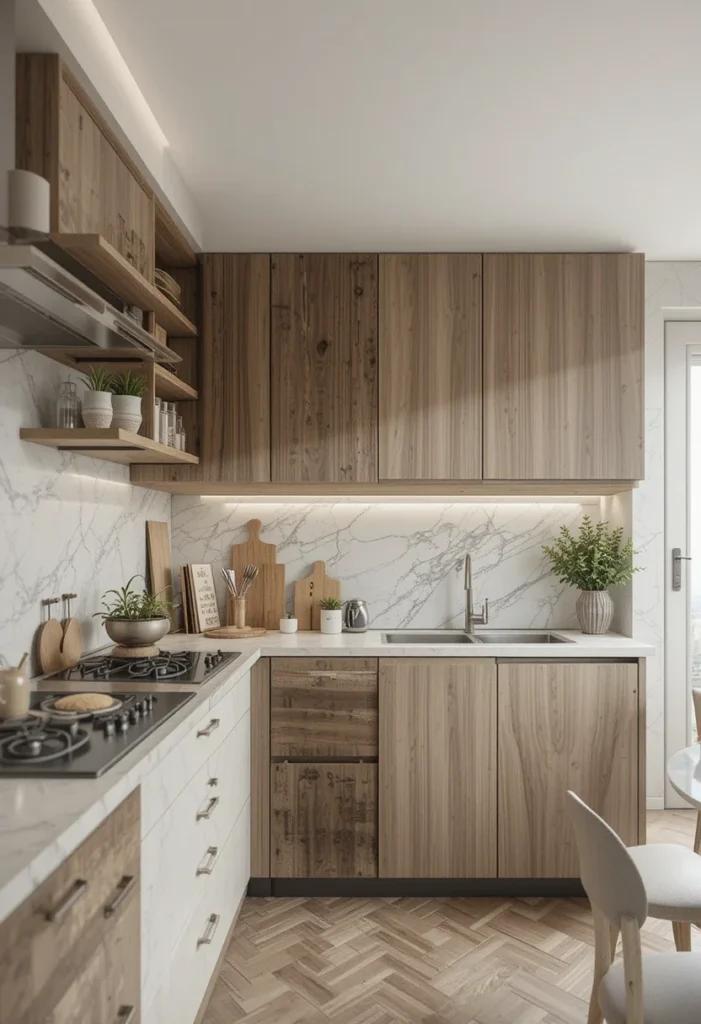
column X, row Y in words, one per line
column 97, row 409
column 594, row 611
column 126, row 412
column 331, row 620
column 288, row 625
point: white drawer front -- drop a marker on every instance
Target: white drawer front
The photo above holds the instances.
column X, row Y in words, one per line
column 170, row 777
column 184, row 850
column 178, row 997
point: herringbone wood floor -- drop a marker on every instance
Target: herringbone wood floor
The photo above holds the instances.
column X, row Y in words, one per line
column 433, row 961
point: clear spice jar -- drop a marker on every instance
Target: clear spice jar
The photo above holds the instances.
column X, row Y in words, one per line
column 164, row 422
column 172, row 417
column 67, row 407
column 179, row 432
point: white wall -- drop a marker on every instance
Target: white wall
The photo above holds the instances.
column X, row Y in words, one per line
column 67, row 522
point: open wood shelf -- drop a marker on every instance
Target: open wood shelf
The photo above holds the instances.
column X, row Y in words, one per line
column 167, row 384
column 171, row 388
column 96, row 253
column 112, row 444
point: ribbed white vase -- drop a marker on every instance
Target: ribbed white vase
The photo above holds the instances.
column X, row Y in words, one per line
column 594, row 611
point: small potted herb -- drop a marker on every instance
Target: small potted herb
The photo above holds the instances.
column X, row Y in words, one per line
column 134, row 619
column 97, row 400
column 330, row 615
column 593, row 562
column 127, row 392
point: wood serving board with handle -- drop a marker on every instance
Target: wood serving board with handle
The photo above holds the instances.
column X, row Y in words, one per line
column 265, row 598
column 159, row 562
column 308, row 594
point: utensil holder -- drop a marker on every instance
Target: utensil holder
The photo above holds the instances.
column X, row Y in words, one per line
column 239, row 612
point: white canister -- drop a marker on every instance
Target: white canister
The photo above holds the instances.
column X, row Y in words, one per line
column 288, row 625
column 331, row 620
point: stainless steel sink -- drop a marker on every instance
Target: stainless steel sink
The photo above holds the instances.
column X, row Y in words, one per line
column 496, row 636
column 443, row 636
column 512, row 636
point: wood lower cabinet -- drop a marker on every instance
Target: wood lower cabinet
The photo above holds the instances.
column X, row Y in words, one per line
column 437, row 768
column 324, row 707
column 430, row 366
column 324, row 368
column 563, row 366
column 564, row 726
column 324, row 821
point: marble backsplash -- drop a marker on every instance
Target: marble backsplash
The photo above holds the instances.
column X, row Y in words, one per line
column 67, row 522
column 406, row 560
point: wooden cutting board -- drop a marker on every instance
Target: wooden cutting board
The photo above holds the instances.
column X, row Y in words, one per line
column 265, row 600
column 159, row 563
column 308, row 593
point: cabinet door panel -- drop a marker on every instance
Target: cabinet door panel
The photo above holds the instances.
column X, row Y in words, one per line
column 430, row 366
column 79, row 203
column 324, row 821
column 324, row 368
column 563, row 367
column 437, row 764
column 127, row 211
column 564, row 726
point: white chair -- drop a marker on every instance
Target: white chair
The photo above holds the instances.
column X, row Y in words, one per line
column 658, row 988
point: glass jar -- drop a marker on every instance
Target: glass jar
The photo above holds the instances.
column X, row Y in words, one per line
column 156, row 419
column 179, row 433
column 183, row 440
column 164, row 423
column 172, row 417
column 67, row 407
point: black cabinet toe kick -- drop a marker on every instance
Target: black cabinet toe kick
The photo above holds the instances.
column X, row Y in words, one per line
column 506, row 887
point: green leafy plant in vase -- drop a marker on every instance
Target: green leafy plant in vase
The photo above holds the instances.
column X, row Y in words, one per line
column 96, row 405
column 594, row 561
column 330, row 617
column 135, row 618
column 127, row 391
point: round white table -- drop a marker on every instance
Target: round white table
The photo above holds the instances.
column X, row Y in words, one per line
column 684, row 773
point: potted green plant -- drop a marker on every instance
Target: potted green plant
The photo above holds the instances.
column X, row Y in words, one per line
column 96, row 405
column 594, row 561
column 134, row 619
column 127, row 391
column 330, row 615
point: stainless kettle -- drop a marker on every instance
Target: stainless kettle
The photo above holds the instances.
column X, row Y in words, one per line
column 355, row 616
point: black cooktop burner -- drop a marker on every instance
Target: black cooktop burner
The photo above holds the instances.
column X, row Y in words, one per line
column 192, row 667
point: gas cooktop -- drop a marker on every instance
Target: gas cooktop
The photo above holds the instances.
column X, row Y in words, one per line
column 191, row 667
column 50, row 743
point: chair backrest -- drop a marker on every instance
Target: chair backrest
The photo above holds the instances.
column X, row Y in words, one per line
column 610, row 878
column 696, row 694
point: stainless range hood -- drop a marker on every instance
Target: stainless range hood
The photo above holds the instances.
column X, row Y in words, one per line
column 42, row 306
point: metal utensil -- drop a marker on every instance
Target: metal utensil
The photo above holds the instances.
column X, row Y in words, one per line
column 250, row 572
column 229, row 577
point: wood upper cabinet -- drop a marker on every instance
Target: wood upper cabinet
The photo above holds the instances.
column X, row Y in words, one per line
column 430, row 367
column 563, row 367
column 437, row 768
column 324, row 368
column 564, row 726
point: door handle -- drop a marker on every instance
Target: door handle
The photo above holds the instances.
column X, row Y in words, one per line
column 677, row 559
column 76, row 892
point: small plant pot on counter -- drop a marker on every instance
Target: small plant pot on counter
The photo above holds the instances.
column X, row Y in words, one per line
column 126, row 411
column 97, row 409
column 594, row 611
column 330, row 615
column 136, row 632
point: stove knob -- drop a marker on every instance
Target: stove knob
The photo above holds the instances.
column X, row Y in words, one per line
column 122, row 723
column 108, row 727
column 134, row 715
column 208, row 661
column 151, row 701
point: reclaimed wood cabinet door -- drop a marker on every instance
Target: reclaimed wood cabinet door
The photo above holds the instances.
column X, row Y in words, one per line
column 563, row 366
column 437, row 761
column 79, row 186
column 564, row 726
column 324, row 368
column 430, row 359
column 323, row 821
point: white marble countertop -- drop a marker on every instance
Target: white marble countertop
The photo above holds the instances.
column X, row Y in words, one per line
column 684, row 773
column 43, row 820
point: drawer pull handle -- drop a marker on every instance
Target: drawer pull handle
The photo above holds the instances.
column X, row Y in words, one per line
column 212, row 853
column 209, row 729
column 76, row 892
column 126, row 1014
column 209, row 931
column 125, row 886
column 212, row 782
column 207, row 812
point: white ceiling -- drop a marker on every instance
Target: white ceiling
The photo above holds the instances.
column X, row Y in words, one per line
column 428, row 124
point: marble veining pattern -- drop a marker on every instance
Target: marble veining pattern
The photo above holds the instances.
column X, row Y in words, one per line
column 67, row 522
column 406, row 560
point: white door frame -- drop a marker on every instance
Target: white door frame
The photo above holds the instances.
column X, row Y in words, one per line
column 682, row 346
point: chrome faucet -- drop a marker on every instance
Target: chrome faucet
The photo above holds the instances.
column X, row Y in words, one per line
column 471, row 619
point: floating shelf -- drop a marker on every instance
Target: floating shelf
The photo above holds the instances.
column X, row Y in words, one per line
column 166, row 384
column 111, row 444
column 96, row 253
column 171, row 388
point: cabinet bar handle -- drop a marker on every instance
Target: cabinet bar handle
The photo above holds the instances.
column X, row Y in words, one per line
column 76, row 892
column 126, row 1014
column 212, row 853
column 209, row 931
column 207, row 812
column 125, row 886
column 208, row 730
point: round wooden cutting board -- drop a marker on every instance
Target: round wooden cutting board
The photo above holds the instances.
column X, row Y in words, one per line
column 234, row 633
